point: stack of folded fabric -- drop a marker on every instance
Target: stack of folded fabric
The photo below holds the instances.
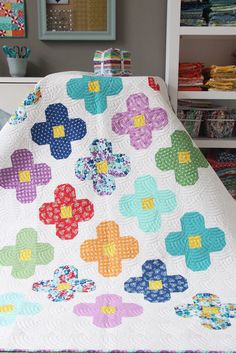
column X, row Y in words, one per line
column 222, row 13
column 222, row 78
column 225, row 166
column 192, row 13
column 190, row 76
column 112, row 62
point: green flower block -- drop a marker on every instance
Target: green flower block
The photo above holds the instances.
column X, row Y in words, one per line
column 26, row 254
column 182, row 157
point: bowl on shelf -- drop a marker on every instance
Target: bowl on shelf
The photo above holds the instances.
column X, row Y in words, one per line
column 191, row 119
column 219, row 123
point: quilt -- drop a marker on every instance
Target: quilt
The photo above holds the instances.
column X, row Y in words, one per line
column 115, row 233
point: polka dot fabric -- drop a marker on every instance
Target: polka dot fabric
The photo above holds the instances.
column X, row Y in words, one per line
column 115, row 233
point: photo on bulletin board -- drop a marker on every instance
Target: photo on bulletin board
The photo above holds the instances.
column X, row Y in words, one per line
column 12, row 19
column 77, row 19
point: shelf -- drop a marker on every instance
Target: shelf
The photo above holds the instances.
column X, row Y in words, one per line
column 9, row 79
column 207, row 95
column 215, row 143
column 207, row 31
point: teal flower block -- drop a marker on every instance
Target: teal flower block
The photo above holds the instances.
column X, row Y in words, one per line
column 147, row 203
column 94, row 91
column 26, row 254
column 13, row 305
column 195, row 242
column 213, row 314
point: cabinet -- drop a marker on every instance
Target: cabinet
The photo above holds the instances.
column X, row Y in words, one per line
column 13, row 90
column 210, row 45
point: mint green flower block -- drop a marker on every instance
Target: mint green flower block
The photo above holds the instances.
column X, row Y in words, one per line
column 147, row 203
column 94, row 91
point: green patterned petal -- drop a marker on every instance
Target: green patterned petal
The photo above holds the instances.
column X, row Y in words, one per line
column 8, row 256
column 26, row 238
column 23, row 269
column 186, row 174
column 166, row 159
column 44, row 253
column 181, row 141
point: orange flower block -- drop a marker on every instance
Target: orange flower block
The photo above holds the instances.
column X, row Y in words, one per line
column 109, row 249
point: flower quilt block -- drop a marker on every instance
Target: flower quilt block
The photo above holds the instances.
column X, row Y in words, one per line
column 66, row 212
column 139, row 121
column 108, row 310
column 58, row 131
column 26, row 254
column 102, row 167
column 195, row 242
column 25, row 176
column 209, row 309
column 147, row 203
column 183, row 158
column 64, row 285
column 155, row 284
column 13, row 305
column 109, row 249
column 94, row 91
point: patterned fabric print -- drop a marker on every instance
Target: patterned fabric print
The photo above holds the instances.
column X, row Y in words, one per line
column 109, row 249
column 183, row 158
column 25, row 176
column 20, row 114
column 14, row 304
column 108, row 310
column 94, row 91
column 208, row 308
column 66, row 212
column 152, row 83
column 155, row 284
column 58, row 131
column 26, row 254
column 12, row 18
column 195, row 242
column 147, row 204
column 102, row 167
column 139, row 121
column 64, row 284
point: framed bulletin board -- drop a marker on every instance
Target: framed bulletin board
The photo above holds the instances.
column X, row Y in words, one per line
column 77, row 19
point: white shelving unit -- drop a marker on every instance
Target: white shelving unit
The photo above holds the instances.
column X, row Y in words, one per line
column 175, row 35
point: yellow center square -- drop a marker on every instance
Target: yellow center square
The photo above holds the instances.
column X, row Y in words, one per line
column 108, row 310
column 109, row 249
column 155, row 285
column 184, row 157
column 194, row 241
column 25, row 255
column 58, row 131
column 24, row 176
column 7, row 308
column 102, row 167
column 66, row 212
column 148, row 203
column 139, row 120
column 94, row 86
column 63, row 286
column 210, row 310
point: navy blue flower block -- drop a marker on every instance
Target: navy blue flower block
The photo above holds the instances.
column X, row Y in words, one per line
column 58, row 131
column 155, row 284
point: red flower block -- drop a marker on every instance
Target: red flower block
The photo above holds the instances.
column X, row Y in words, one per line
column 66, row 212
